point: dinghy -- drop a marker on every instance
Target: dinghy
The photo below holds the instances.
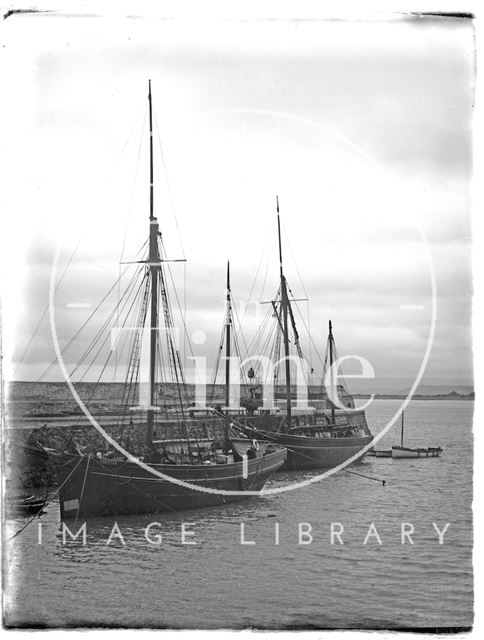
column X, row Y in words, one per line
column 408, row 452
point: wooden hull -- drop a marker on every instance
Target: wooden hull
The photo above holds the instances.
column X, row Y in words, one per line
column 24, row 506
column 380, row 453
column 406, row 452
column 305, row 452
column 106, row 488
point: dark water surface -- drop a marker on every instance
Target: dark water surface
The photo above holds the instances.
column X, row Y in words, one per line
column 220, row 583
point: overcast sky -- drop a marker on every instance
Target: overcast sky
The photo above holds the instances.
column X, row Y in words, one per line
column 363, row 129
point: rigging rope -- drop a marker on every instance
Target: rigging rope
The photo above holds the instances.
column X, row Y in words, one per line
column 168, row 187
column 84, row 324
column 130, row 210
column 103, row 328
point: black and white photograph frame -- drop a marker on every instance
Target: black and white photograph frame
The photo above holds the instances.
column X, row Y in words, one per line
column 239, row 288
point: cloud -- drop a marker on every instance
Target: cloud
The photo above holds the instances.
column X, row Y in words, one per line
column 363, row 129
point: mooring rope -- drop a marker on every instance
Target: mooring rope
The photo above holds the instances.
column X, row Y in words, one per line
column 39, row 512
column 362, row 475
column 83, row 487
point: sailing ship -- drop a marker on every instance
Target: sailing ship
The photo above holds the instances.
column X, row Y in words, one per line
column 313, row 440
column 400, row 451
column 107, row 483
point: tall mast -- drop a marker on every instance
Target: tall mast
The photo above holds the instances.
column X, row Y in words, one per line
column 154, row 266
column 331, row 359
column 228, row 325
column 284, row 305
column 401, row 434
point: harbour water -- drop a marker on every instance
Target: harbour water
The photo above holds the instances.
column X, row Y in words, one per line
column 298, row 583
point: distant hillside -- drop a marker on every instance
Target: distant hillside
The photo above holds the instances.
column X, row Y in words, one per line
column 443, row 390
column 452, row 395
column 401, row 387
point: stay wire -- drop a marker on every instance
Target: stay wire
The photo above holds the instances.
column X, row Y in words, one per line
column 91, row 315
column 123, row 301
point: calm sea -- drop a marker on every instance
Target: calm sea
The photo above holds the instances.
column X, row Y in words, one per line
column 218, row 582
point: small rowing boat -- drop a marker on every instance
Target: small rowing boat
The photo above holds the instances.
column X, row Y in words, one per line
column 24, row 505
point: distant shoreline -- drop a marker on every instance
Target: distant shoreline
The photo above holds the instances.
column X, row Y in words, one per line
column 394, row 396
column 42, row 391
